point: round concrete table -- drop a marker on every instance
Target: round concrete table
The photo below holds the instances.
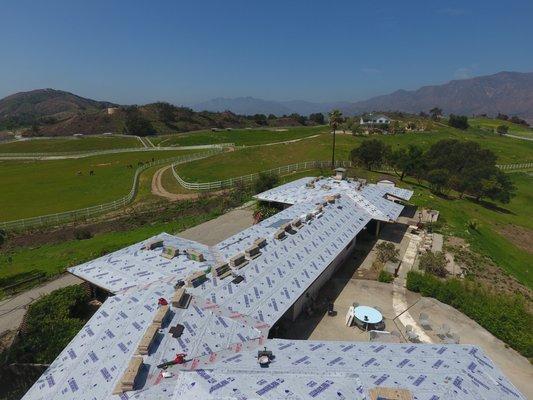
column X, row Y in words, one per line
column 367, row 315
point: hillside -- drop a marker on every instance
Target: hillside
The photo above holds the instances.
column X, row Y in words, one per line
column 506, row 92
column 45, row 104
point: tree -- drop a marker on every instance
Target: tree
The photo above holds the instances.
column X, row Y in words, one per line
column 136, row 124
column 272, row 116
column 265, row 181
column 372, row 153
column 436, row 113
column 458, row 121
column 317, row 118
column 438, row 179
column 503, row 117
column 497, row 187
column 165, row 112
column 502, row 129
column 335, row 118
column 300, row 118
column 408, row 162
column 260, row 119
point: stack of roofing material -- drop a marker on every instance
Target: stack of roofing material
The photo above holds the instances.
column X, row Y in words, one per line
column 180, row 298
column 329, row 199
column 296, row 223
column 238, row 261
column 127, row 382
column 195, row 255
column 153, row 244
column 280, row 234
column 252, row 252
column 260, row 242
column 160, row 315
column 196, row 279
column 170, row 252
column 221, row 270
column 144, row 345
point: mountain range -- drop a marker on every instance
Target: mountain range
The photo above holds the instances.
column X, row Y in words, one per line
column 506, row 92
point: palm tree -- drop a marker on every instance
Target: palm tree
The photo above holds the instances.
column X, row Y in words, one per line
column 335, row 118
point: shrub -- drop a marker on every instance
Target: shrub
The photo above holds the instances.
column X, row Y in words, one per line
column 266, row 210
column 3, row 237
column 385, row 276
column 63, row 313
column 387, row 252
column 504, row 315
column 83, row 234
column 458, row 121
column 265, row 181
column 434, row 263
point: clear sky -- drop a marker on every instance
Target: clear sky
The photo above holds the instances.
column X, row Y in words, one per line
column 187, row 51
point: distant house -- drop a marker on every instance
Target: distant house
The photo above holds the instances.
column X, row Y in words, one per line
column 371, row 119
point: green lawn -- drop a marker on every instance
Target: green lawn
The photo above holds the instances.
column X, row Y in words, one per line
column 239, row 137
column 32, row 188
column 55, row 258
column 88, row 143
column 492, row 124
column 257, row 159
column 455, row 214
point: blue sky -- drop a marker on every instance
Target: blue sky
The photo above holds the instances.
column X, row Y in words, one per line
column 184, row 51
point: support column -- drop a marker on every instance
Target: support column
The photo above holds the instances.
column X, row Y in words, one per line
column 378, row 226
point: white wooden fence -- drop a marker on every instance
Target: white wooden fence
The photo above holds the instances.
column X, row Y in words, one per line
column 84, row 213
column 247, row 179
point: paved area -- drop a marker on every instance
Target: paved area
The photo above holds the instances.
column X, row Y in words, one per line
column 381, row 295
column 218, row 229
column 12, row 310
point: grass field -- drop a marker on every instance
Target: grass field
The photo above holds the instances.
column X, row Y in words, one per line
column 89, row 143
column 54, row 258
column 240, row 137
column 487, row 239
column 44, row 187
column 492, row 124
column 257, row 159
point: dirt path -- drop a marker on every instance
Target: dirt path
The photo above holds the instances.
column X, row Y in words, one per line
column 12, row 309
column 159, row 190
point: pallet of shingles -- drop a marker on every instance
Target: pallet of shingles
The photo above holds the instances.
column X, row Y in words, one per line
column 160, row 315
column 180, row 298
column 170, row 252
column 280, row 234
column 127, row 381
column 153, row 244
column 296, row 223
column 238, row 261
column 261, row 242
column 221, row 270
column 252, row 252
column 195, row 255
column 146, row 341
column 196, row 279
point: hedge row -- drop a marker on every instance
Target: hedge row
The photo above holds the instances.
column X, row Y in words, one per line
column 505, row 316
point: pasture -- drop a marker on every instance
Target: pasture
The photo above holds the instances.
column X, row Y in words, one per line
column 492, row 124
column 240, row 137
column 257, row 159
column 70, row 144
column 33, row 188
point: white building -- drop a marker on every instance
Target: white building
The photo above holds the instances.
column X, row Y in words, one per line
column 371, row 119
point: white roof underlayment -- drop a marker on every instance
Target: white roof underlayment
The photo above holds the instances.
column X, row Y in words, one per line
column 226, row 324
column 373, row 198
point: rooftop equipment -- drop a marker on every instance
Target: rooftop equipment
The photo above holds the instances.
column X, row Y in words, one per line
column 238, row 261
column 340, row 173
column 153, row 244
column 195, row 255
column 127, row 382
column 264, row 357
column 170, row 252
